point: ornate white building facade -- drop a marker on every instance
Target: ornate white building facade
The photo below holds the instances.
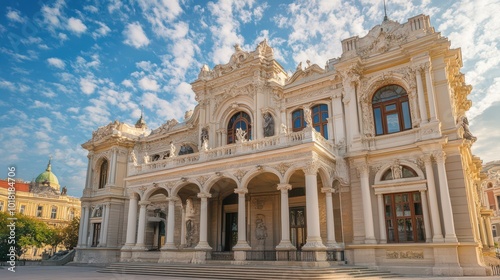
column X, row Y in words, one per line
column 491, row 202
column 367, row 159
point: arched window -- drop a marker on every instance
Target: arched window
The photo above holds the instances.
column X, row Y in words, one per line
column 239, row 120
column 298, row 122
column 103, row 174
column 391, row 110
column 319, row 117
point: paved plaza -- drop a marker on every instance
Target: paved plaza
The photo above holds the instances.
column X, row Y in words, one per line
column 90, row 273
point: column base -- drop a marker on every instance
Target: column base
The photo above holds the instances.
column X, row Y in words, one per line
column 241, row 246
column 285, row 245
column 127, row 246
column 438, row 239
column 451, row 238
column 169, row 246
column 203, row 246
column 140, row 247
column 371, row 240
column 314, row 245
column 333, row 245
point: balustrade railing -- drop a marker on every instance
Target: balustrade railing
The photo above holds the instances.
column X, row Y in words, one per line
column 241, row 148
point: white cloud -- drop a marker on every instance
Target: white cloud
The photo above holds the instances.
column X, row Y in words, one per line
column 52, row 16
column 135, row 36
column 46, row 123
column 87, row 85
column 76, row 26
column 7, row 85
column 102, row 31
column 90, row 8
column 15, row 16
column 40, row 104
column 42, row 136
column 74, row 110
column 127, row 83
column 63, row 140
column 56, row 62
column 148, row 84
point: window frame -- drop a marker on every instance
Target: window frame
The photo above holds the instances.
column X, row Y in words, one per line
column 39, row 211
column 381, row 112
column 103, row 174
column 322, row 124
column 393, row 218
column 300, row 118
column 53, row 212
column 236, row 118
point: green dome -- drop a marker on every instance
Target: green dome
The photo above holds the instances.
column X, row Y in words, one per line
column 48, row 178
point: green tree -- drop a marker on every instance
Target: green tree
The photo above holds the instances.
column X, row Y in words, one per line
column 70, row 234
column 28, row 232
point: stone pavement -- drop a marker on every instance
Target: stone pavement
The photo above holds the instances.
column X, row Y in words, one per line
column 90, row 273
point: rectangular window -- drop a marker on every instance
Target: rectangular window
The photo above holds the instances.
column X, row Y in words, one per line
column 406, row 115
column 378, row 121
column 392, row 123
column 53, row 213
column 1, row 206
column 39, row 211
column 22, row 208
column 404, row 217
column 96, row 234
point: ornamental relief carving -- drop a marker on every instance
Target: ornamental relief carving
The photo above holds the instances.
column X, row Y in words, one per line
column 311, row 94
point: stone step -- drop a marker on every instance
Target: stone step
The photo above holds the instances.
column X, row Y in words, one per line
column 245, row 272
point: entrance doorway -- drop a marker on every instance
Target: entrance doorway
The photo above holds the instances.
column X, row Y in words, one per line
column 231, row 231
column 298, row 232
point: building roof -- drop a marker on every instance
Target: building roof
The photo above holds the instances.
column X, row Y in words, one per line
column 20, row 186
column 48, row 178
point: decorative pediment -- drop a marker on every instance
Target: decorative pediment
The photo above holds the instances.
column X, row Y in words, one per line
column 383, row 37
column 300, row 74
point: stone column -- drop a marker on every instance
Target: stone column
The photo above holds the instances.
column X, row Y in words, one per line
column 421, row 96
column 170, row 245
column 112, row 167
column 203, row 243
column 82, row 236
column 433, row 200
column 183, row 226
column 449, row 224
column 285, row 243
column 104, row 238
column 367, row 204
column 425, row 212
column 338, row 119
column 141, row 230
column 131, row 222
column 482, row 232
column 381, row 218
column 242, row 243
column 330, row 221
column 313, row 240
column 103, row 221
column 86, row 226
column 430, row 93
column 88, row 179
column 489, row 233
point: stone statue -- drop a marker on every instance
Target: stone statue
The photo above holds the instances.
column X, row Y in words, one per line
column 268, row 125
column 64, row 191
column 172, row 149
column 284, row 129
column 240, row 135
column 146, row 157
column 133, row 158
column 204, row 135
column 307, row 116
column 260, row 231
column 467, row 134
column 205, row 144
column 190, row 233
column 397, row 171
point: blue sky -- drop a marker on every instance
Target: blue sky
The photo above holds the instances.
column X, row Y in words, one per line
column 68, row 67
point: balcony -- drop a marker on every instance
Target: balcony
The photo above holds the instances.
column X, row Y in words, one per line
column 307, row 135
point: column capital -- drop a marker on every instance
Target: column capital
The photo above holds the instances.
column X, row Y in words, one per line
column 204, row 195
column 241, row 191
column 328, row 190
column 427, row 158
column 311, row 168
column 172, row 199
column 284, row 188
column 440, row 156
column 144, row 203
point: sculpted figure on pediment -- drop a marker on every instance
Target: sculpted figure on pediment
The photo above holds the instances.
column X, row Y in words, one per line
column 165, row 127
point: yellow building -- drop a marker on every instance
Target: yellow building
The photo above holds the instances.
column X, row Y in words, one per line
column 42, row 199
